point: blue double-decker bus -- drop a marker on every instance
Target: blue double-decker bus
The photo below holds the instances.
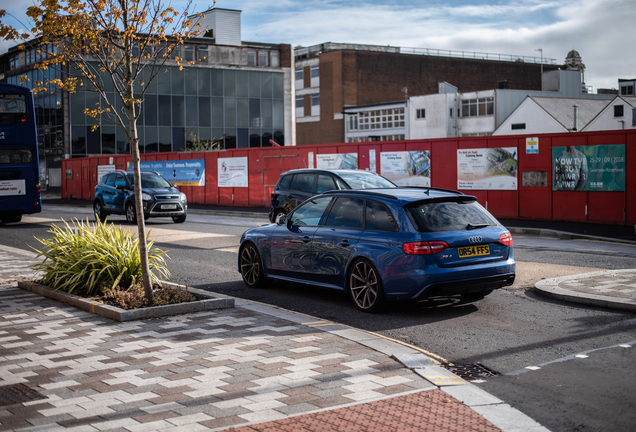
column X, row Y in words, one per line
column 19, row 166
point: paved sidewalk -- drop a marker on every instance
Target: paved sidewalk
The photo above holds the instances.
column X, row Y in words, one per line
column 253, row 367
column 614, row 289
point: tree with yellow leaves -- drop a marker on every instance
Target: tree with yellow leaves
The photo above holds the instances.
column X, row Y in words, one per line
column 114, row 44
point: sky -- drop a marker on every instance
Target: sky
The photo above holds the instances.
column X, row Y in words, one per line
column 602, row 31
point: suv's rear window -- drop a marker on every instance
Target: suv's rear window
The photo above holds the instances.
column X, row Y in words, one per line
column 448, row 215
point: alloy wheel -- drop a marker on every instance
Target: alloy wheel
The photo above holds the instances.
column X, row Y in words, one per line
column 250, row 263
column 365, row 287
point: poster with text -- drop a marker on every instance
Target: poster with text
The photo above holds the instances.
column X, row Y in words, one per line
column 186, row 172
column 487, row 168
column 337, row 161
column 588, row 168
column 407, row 168
column 102, row 170
column 233, row 172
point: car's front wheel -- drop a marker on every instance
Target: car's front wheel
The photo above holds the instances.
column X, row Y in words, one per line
column 179, row 219
column 98, row 210
column 131, row 215
column 365, row 286
column 251, row 266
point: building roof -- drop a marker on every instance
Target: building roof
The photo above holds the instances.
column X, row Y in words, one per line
column 562, row 109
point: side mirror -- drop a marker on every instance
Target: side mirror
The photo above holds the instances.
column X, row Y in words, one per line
column 282, row 220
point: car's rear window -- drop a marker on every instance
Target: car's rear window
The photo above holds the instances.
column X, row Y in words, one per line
column 448, row 215
column 358, row 180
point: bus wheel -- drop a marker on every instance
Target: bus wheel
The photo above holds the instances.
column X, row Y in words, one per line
column 11, row 219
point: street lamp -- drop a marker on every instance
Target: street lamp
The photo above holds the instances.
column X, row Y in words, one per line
column 541, row 51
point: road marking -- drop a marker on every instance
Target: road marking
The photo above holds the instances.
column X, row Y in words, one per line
column 584, row 354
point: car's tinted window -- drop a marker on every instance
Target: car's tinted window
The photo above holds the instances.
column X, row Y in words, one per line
column 310, row 212
column 120, row 180
column 285, row 181
column 303, row 182
column 448, row 215
column 361, row 180
column 346, row 213
column 325, row 183
column 379, row 218
column 109, row 180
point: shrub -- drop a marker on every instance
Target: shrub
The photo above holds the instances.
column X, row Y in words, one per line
column 86, row 258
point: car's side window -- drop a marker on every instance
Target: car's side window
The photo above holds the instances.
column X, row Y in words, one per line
column 310, row 212
column 325, row 183
column 346, row 213
column 303, row 182
column 110, row 180
column 120, row 181
column 285, row 181
column 379, row 218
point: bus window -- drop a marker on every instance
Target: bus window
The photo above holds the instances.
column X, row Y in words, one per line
column 13, row 109
column 15, row 156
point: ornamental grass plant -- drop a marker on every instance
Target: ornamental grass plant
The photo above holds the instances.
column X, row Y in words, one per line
column 86, row 258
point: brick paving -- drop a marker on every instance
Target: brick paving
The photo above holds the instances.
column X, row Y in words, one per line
column 620, row 285
column 244, row 369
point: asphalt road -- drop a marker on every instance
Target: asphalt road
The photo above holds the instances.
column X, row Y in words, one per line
column 509, row 330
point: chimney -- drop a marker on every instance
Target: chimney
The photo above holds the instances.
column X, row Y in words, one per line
column 576, row 118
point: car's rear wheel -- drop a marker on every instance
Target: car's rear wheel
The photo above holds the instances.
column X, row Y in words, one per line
column 179, row 219
column 251, row 266
column 365, row 286
column 98, row 210
column 131, row 215
column 476, row 295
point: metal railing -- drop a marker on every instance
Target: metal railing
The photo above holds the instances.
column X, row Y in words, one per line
column 477, row 55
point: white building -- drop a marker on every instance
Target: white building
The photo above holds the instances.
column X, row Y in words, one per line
column 554, row 115
column 451, row 114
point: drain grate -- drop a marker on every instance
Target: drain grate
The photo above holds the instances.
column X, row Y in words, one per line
column 471, row 371
column 18, row 393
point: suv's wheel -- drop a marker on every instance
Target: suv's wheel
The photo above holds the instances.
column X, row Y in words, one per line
column 131, row 215
column 277, row 215
column 98, row 210
column 179, row 219
column 365, row 286
column 250, row 266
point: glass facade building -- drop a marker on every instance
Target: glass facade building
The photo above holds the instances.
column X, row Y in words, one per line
column 240, row 108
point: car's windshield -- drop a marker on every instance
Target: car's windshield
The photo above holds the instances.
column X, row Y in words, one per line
column 361, row 180
column 449, row 215
column 150, row 180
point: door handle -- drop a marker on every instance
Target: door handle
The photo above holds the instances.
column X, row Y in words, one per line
column 345, row 243
column 306, row 239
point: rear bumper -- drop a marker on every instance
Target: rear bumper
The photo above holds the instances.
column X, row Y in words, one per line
column 466, row 286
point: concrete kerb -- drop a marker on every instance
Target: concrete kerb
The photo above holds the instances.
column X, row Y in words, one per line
column 550, row 288
column 563, row 235
column 122, row 315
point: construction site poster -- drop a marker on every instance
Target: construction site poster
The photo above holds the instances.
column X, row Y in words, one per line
column 487, row 168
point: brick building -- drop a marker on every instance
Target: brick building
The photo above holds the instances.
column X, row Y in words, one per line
column 330, row 77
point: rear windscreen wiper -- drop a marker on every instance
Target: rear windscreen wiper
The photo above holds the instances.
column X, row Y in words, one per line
column 471, row 226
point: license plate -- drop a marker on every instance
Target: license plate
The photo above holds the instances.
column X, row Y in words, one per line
column 169, row 206
column 471, row 251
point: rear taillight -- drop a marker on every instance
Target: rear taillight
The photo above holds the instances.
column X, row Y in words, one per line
column 424, row 248
column 37, row 189
column 506, row 239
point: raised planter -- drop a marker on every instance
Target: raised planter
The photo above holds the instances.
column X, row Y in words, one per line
column 119, row 314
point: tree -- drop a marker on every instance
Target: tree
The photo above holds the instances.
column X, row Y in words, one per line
column 120, row 43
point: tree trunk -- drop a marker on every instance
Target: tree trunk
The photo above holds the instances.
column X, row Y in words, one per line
column 139, row 208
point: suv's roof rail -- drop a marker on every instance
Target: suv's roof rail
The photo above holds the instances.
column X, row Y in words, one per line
column 432, row 188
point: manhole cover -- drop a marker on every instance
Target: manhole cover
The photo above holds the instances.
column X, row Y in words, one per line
column 471, row 371
column 18, row 393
